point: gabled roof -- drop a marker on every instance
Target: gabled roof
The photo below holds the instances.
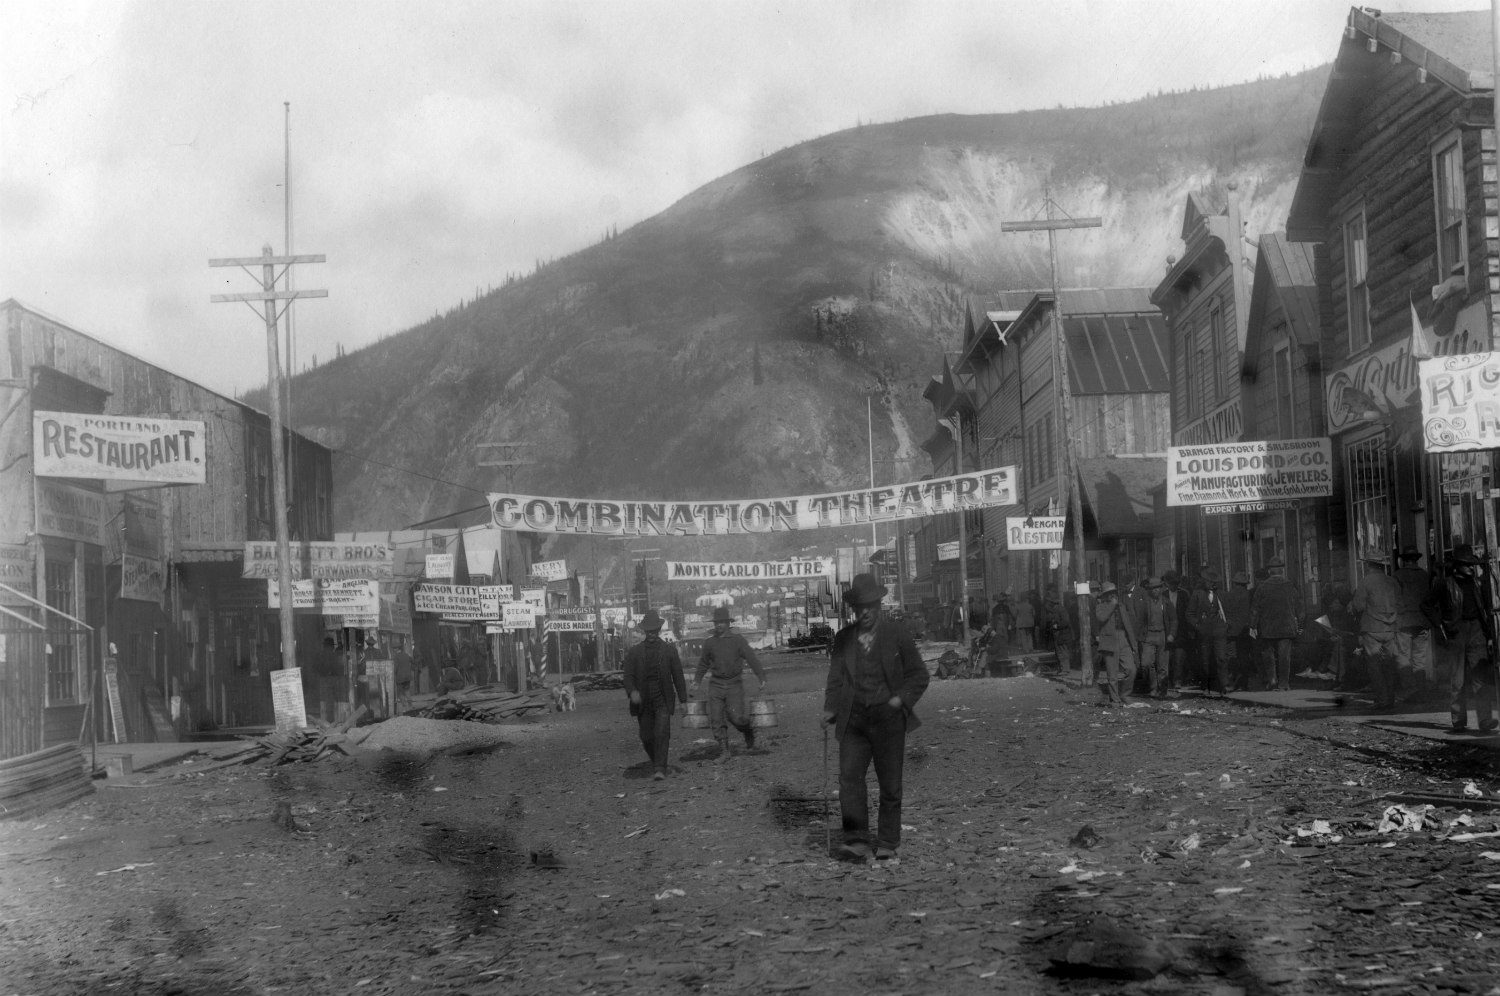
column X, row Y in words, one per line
column 1284, row 276
column 1447, row 49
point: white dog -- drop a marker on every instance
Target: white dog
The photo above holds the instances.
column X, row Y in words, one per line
column 564, row 699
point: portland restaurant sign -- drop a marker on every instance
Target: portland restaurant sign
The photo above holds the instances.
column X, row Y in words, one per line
column 134, row 448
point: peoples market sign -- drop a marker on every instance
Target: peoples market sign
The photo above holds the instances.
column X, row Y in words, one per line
column 764, row 515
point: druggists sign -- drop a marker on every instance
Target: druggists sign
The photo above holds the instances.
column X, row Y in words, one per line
column 121, row 448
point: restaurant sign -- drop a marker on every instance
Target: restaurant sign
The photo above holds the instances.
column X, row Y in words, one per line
column 1035, row 532
column 122, row 448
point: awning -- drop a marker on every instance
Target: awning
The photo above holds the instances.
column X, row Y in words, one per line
column 1117, row 493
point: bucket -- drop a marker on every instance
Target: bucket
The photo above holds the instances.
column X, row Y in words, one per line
column 762, row 712
column 695, row 714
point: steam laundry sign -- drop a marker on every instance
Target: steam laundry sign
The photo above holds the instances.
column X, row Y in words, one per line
column 983, row 489
column 1460, row 402
column 133, row 448
column 768, row 570
column 1035, row 533
column 1247, row 472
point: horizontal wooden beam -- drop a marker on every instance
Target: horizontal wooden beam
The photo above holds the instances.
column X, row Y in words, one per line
column 272, row 260
column 1050, row 225
column 266, row 296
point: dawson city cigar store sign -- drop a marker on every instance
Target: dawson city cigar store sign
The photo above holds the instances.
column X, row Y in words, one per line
column 764, row 515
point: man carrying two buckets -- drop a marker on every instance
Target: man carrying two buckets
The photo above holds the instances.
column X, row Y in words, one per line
column 725, row 655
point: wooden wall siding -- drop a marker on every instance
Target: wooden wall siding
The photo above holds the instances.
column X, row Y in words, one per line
column 1390, row 172
column 1114, row 424
column 1190, row 327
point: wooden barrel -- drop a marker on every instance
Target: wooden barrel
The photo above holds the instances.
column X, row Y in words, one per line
column 762, row 712
column 695, row 714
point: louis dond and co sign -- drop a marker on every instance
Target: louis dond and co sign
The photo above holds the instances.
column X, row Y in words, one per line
column 1250, row 472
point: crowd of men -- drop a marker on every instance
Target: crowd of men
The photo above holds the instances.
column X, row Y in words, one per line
column 1159, row 634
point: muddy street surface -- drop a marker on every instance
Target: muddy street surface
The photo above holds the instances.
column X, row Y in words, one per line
column 1052, row 846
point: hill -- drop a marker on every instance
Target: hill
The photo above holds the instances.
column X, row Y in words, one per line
column 726, row 347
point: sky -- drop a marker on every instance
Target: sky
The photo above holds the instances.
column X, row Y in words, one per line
column 435, row 147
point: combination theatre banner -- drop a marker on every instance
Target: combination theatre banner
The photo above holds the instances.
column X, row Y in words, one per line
column 600, row 517
column 766, row 570
column 1460, row 402
column 1251, row 472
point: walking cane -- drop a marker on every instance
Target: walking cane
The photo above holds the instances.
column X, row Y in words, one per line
column 827, row 825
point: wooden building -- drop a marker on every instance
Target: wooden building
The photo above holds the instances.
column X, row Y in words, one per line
column 143, row 584
column 1205, row 300
column 1397, row 195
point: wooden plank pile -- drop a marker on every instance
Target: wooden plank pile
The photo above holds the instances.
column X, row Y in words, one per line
column 36, row 782
column 320, row 740
column 489, row 708
column 598, row 681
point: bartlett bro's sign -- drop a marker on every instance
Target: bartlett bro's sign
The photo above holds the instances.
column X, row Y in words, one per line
column 132, row 448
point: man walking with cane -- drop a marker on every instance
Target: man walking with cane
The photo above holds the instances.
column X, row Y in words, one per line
column 875, row 678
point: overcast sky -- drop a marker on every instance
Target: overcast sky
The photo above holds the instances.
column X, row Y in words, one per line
column 438, row 146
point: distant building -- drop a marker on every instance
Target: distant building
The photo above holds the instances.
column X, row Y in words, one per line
column 143, row 582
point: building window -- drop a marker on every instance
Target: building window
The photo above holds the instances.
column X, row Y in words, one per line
column 1281, row 363
column 1191, row 390
column 1216, row 349
column 62, row 655
column 1368, row 467
column 1448, row 191
column 1356, row 280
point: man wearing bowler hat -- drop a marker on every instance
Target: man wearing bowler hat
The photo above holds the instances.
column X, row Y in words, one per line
column 875, row 677
column 1211, row 626
column 1465, row 619
column 653, row 681
column 1276, row 618
column 725, row 655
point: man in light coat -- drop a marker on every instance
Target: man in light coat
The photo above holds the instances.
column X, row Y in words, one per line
column 1377, row 601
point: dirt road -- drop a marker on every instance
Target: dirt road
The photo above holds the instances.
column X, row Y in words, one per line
column 1053, row 846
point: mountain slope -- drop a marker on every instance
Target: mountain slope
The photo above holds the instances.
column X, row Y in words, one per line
column 725, row 347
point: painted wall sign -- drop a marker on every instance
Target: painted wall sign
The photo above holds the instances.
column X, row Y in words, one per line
column 1035, row 533
column 766, row 570
column 1251, row 471
column 768, row 515
column 329, row 596
column 118, row 448
column 323, row 559
column 18, row 571
column 439, row 565
column 1251, row 507
column 69, row 512
column 1222, row 425
column 1460, row 402
column 141, row 578
column 460, row 600
column 568, row 626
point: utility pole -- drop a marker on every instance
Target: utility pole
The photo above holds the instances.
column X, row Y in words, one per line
column 957, row 428
column 1064, row 395
column 510, row 462
column 268, row 295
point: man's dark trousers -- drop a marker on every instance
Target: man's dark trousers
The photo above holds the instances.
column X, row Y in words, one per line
column 656, row 734
column 874, row 733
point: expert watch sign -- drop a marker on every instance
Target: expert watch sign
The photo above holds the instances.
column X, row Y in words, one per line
column 1254, row 471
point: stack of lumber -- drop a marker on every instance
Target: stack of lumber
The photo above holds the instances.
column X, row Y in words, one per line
column 489, row 708
column 598, row 681
column 296, row 745
column 36, row 782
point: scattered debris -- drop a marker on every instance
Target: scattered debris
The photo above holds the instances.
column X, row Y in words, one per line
column 1085, row 838
column 1401, row 819
column 1107, row 951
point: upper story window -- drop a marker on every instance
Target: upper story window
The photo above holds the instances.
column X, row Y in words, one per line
column 1448, row 193
column 1356, row 279
column 1286, row 414
column 1192, row 390
column 1216, row 349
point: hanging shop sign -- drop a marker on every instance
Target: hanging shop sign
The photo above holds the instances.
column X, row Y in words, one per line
column 129, row 449
column 535, row 596
column 140, row 578
column 322, row 559
column 765, row 570
column 330, row 596
column 492, row 596
column 1035, row 532
column 439, row 565
column 767, row 515
column 456, row 600
column 1460, row 402
column 395, row 612
column 518, row 615
column 69, row 512
column 1248, row 472
column 568, row 625
column 550, row 570
column 1251, row 507
column 947, row 550
column 18, row 571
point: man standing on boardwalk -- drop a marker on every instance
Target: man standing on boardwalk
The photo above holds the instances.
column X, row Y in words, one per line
column 653, row 681
column 1376, row 601
column 1276, row 616
column 875, row 678
column 1413, row 628
column 1206, row 614
column 1156, row 620
column 725, row 655
column 1466, row 620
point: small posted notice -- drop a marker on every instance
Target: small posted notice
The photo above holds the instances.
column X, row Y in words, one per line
column 112, row 691
column 287, row 699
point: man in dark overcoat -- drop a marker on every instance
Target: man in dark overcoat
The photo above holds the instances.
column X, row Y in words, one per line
column 654, row 682
column 875, row 677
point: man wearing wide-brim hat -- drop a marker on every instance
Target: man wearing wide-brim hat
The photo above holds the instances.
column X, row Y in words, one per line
column 875, row 677
column 1413, row 625
column 1277, row 615
column 1465, row 620
column 725, row 655
column 1211, row 626
column 654, row 682
column 1376, row 601
column 1156, row 621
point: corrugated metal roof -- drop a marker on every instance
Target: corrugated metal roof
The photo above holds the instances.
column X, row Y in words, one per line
column 1118, row 353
